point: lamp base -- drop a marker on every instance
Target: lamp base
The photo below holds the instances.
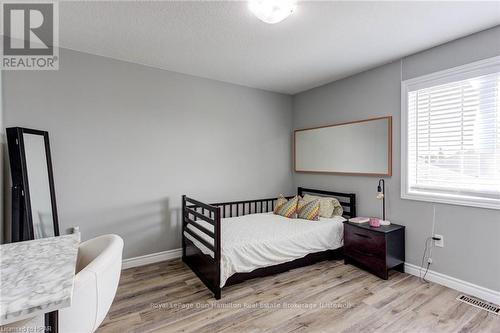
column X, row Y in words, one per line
column 385, row 222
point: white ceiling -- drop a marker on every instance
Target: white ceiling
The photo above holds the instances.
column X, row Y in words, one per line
column 319, row 43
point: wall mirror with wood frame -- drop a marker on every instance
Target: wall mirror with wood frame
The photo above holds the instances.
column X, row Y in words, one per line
column 362, row 147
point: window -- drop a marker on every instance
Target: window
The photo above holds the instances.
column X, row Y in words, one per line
column 450, row 136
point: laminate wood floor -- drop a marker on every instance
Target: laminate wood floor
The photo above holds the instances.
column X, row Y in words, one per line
column 325, row 297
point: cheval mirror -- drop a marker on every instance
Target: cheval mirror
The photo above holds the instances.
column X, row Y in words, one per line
column 34, row 212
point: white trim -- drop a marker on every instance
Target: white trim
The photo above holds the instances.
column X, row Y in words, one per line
column 468, row 69
column 456, row 73
column 404, row 139
column 457, row 284
column 471, row 202
column 151, row 258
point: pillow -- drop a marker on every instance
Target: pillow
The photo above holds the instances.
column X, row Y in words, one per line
column 281, row 200
column 328, row 207
column 286, row 208
column 308, row 210
column 339, row 210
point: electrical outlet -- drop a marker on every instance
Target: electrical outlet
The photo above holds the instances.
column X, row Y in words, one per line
column 440, row 241
column 429, row 260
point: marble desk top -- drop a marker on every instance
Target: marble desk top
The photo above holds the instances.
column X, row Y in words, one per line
column 36, row 276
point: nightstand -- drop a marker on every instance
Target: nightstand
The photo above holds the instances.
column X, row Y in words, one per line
column 375, row 249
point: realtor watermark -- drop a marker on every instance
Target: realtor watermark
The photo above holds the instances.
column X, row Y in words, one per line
column 25, row 329
column 266, row 306
column 30, row 33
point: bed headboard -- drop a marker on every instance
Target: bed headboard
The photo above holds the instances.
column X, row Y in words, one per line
column 347, row 200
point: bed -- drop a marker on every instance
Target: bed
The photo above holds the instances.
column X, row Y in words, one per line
column 230, row 242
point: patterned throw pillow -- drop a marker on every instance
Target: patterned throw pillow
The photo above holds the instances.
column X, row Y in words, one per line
column 308, row 210
column 280, row 202
column 325, row 205
column 288, row 208
column 328, row 207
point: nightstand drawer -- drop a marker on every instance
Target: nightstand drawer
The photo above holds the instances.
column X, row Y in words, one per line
column 374, row 264
column 364, row 242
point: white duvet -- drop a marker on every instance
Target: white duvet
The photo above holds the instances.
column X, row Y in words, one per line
column 261, row 240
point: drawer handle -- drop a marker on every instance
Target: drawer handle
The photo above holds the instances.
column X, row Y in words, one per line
column 362, row 235
column 363, row 253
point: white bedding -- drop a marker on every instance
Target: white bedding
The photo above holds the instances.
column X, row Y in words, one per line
column 261, row 240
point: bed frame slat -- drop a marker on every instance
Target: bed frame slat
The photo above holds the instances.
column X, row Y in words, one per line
column 199, row 215
column 202, row 228
column 199, row 239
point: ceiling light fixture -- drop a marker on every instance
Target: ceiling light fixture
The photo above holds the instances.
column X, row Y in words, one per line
column 272, row 11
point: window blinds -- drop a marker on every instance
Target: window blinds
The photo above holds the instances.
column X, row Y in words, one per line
column 453, row 138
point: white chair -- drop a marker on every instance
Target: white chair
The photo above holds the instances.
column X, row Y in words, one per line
column 98, row 271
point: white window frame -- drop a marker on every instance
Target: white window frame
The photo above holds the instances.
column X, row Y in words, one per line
column 474, row 69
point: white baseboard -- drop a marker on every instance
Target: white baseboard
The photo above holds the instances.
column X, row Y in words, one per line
column 151, row 258
column 454, row 283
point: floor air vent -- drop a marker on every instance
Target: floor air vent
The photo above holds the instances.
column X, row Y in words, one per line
column 490, row 307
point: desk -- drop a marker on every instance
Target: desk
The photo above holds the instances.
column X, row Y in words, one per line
column 36, row 277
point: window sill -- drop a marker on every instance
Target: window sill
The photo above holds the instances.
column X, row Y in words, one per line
column 460, row 201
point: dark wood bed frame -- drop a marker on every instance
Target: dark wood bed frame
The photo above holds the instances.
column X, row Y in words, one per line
column 208, row 268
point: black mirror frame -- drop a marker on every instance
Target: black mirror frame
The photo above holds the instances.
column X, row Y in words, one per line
column 22, row 220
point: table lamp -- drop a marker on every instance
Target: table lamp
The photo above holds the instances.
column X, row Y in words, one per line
column 381, row 196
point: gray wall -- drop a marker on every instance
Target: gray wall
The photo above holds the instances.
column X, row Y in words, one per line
column 128, row 140
column 471, row 235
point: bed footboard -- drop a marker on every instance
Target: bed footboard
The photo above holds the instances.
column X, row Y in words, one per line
column 201, row 229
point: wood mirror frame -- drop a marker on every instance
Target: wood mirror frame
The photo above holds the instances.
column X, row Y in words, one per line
column 385, row 173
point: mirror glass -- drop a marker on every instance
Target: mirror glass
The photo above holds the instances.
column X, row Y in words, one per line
column 362, row 147
column 38, row 182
